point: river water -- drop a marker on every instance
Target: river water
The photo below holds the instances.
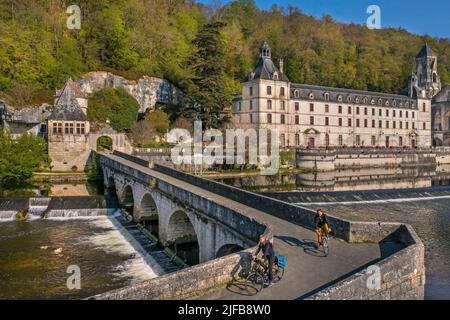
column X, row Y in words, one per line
column 35, row 256
column 420, row 197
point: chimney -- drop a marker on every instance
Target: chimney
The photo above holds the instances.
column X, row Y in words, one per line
column 281, row 66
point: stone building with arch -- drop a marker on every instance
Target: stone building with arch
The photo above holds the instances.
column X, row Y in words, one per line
column 316, row 116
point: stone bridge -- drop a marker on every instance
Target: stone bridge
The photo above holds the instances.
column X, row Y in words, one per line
column 226, row 222
column 176, row 215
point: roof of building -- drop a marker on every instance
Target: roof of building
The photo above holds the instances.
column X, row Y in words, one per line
column 265, row 68
column 443, row 96
column 426, row 51
column 74, row 87
column 67, row 108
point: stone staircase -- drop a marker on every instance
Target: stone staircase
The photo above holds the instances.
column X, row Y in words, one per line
column 166, row 262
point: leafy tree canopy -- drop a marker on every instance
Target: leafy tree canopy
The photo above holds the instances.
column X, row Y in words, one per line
column 115, row 106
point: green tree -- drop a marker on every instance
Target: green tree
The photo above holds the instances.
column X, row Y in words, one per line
column 115, row 106
column 207, row 96
column 20, row 158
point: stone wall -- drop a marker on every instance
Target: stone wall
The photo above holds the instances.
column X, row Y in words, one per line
column 188, row 283
column 401, row 275
column 69, row 152
column 330, row 160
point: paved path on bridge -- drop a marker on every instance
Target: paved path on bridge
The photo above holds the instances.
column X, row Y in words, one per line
column 307, row 270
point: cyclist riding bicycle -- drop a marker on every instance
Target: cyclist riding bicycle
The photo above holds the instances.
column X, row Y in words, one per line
column 266, row 247
column 322, row 226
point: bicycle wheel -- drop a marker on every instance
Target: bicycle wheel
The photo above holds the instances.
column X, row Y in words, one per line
column 326, row 248
column 254, row 283
column 278, row 274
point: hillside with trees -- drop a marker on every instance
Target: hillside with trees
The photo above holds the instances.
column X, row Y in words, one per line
column 166, row 39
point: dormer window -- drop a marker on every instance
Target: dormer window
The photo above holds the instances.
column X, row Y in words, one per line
column 326, row 96
column 339, row 98
column 357, row 100
column 275, row 76
column 297, row 93
column 349, row 99
column 380, row 102
column 365, row 100
column 372, row 101
column 311, row 96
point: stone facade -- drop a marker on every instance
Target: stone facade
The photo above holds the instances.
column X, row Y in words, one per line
column 441, row 118
column 315, row 116
column 148, row 91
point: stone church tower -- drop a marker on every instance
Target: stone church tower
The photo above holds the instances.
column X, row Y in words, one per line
column 427, row 77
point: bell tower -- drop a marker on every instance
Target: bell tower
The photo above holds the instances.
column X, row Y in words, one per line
column 427, row 73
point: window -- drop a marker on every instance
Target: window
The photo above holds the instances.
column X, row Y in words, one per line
column 340, row 109
column 297, row 93
column 80, row 128
column 401, row 124
column 407, row 114
column 366, row 123
column 311, row 120
column 387, row 113
column 388, row 140
column 282, row 92
column 269, row 90
column 349, row 122
column 327, row 108
column 282, row 105
column 251, row 118
column 327, row 96
column 327, row 121
column 327, row 140
column 340, row 122
column 57, row 128
column 394, row 113
column 341, row 141
column 251, row 104
column 269, row 104
column 424, row 106
column 250, row 91
column 357, row 123
column 365, row 111
column 380, row 112
column 358, row 140
column 413, row 115
column 349, row 110
column 414, row 126
column 394, row 124
column 401, row 113
column 297, row 106
column 373, row 111
column 68, row 128
column 400, row 141
column 282, row 119
column 387, row 124
column 297, row 139
column 373, row 123
column 407, row 124
column 269, row 118
column 297, row 120
column 380, row 124
column 357, row 110
column 374, row 141
column 311, row 107
column 424, row 126
column 283, row 140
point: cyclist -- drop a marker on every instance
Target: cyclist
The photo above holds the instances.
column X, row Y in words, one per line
column 322, row 226
column 266, row 247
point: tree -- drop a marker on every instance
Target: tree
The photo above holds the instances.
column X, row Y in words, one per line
column 115, row 106
column 155, row 125
column 20, row 158
column 207, row 98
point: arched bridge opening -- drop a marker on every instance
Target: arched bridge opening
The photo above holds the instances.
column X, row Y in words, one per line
column 228, row 249
column 182, row 238
column 128, row 199
column 149, row 216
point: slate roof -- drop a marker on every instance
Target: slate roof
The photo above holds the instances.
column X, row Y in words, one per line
column 67, row 107
column 265, row 68
column 426, row 52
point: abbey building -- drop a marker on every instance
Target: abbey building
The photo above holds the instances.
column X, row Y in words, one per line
column 316, row 116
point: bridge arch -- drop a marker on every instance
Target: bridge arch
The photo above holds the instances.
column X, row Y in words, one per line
column 127, row 199
column 148, row 214
column 228, row 249
column 182, row 237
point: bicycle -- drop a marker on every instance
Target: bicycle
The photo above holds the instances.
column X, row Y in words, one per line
column 325, row 243
column 258, row 275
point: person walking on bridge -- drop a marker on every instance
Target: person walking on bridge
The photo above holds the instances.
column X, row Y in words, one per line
column 322, row 226
column 268, row 257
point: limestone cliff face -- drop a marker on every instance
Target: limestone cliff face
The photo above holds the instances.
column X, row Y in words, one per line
column 147, row 91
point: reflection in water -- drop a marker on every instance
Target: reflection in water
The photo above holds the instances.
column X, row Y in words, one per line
column 430, row 219
column 32, row 268
column 346, row 180
column 89, row 188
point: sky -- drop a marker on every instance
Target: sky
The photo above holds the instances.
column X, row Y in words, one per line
column 430, row 17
